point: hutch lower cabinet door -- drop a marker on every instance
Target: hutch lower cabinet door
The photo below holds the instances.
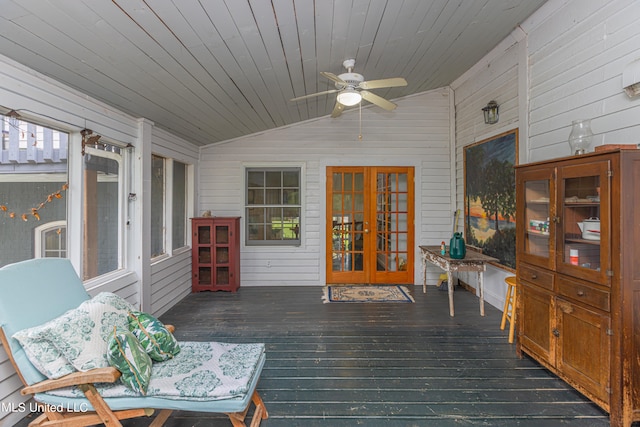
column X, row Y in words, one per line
column 215, row 256
column 578, row 269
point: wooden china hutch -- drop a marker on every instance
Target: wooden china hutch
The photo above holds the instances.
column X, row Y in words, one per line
column 215, row 254
column 578, row 269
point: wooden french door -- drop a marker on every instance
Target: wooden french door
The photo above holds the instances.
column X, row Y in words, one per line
column 370, row 225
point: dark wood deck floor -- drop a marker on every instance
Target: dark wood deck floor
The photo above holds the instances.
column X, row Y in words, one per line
column 379, row 364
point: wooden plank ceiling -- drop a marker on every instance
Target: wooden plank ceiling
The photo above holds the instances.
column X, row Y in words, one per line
column 213, row 70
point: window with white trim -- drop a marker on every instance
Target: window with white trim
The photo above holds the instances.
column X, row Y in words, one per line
column 168, row 205
column 50, row 240
column 157, row 206
column 103, row 210
column 273, row 206
column 179, row 206
column 33, row 188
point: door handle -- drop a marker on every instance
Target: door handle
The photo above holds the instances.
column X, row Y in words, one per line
column 555, row 332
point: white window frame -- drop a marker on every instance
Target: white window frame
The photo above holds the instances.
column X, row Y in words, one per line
column 273, row 243
column 168, row 198
column 170, row 171
column 39, row 232
column 122, row 185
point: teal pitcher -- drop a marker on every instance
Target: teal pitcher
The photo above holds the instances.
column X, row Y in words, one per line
column 457, row 248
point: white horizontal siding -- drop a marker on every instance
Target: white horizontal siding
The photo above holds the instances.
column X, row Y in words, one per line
column 497, row 80
column 45, row 101
column 416, row 134
column 577, row 56
column 168, row 145
column 170, row 281
column 9, row 384
column 123, row 284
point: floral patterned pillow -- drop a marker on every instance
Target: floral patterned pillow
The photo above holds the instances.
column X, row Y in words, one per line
column 43, row 354
column 157, row 341
column 125, row 353
column 81, row 334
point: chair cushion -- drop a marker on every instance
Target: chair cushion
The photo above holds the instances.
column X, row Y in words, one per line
column 202, row 371
column 125, row 353
column 81, row 334
column 33, row 292
column 158, row 342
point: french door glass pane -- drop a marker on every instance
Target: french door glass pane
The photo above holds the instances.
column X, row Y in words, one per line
column 391, row 199
column 348, row 216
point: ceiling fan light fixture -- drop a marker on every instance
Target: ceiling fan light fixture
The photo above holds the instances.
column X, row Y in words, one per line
column 349, row 97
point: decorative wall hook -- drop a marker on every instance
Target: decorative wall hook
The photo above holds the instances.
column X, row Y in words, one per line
column 87, row 139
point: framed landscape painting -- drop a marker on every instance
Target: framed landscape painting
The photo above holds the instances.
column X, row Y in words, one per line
column 490, row 197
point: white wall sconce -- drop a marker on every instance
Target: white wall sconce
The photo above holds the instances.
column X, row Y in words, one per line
column 491, row 115
column 631, row 79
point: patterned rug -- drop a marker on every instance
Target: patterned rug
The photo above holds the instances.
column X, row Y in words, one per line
column 366, row 293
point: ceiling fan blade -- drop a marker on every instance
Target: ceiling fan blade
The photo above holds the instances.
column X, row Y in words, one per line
column 337, row 110
column 378, row 100
column 314, row 94
column 334, row 78
column 375, row 84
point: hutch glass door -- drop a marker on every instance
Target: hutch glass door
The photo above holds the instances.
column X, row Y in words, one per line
column 584, row 208
column 537, row 200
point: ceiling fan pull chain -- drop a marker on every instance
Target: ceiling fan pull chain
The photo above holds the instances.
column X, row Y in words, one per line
column 360, row 109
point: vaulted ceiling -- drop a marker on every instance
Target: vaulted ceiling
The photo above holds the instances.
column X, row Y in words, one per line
column 212, row 70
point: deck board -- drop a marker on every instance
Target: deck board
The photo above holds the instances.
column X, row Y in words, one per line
column 392, row 364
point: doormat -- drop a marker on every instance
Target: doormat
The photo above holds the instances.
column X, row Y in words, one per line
column 366, row 293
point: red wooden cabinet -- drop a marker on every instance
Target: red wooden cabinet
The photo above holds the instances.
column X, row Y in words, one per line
column 215, row 258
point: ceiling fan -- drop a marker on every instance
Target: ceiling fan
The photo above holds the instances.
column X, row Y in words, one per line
column 352, row 89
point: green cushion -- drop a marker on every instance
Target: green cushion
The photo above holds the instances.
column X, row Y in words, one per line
column 127, row 355
column 157, row 341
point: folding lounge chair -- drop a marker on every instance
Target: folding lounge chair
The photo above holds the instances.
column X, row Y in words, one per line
column 36, row 291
